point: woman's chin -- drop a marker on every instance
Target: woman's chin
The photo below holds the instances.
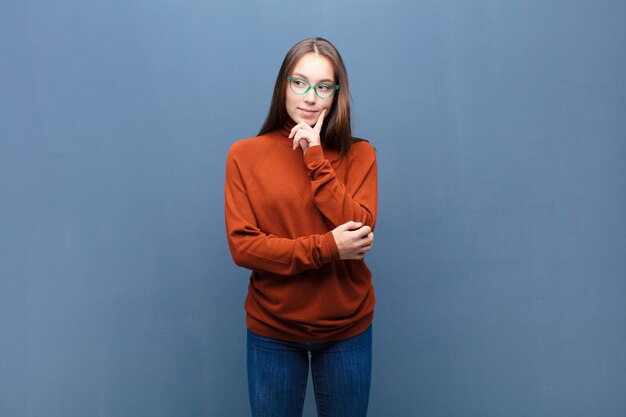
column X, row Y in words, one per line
column 300, row 119
column 309, row 121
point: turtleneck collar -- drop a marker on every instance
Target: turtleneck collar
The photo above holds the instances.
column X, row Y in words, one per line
column 286, row 129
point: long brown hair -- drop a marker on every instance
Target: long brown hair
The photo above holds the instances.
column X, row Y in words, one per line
column 337, row 131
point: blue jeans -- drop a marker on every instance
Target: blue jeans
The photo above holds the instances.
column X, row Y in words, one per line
column 278, row 373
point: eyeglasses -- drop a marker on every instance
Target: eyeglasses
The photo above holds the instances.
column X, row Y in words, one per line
column 322, row 90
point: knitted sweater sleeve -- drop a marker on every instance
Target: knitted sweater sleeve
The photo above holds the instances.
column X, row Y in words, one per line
column 340, row 202
column 254, row 249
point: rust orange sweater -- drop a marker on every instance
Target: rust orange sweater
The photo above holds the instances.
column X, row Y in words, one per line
column 280, row 209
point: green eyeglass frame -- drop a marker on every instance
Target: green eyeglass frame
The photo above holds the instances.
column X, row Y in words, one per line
column 313, row 86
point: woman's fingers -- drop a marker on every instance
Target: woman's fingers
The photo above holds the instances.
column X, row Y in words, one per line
column 296, row 137
column 308, row 135
column 302, row 131
column 298, row 127
column 353, row 240
column 301, row 138
column 363, row 232
column 318, row 126
column 351, row 225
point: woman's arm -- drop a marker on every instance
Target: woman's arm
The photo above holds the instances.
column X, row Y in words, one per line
column 356, row 199
column 253, row 249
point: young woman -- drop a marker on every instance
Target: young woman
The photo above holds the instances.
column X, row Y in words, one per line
column 300, row 206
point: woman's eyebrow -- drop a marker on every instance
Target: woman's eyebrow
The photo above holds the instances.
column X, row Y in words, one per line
column 306, row 78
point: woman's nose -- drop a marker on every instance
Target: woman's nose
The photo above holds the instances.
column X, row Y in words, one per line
column 310, row 96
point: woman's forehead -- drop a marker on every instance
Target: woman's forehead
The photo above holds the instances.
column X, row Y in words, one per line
column 314, row 68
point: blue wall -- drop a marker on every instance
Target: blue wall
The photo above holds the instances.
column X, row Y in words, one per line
column 500, row 260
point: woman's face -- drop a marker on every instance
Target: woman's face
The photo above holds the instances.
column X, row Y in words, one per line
column 307, row 107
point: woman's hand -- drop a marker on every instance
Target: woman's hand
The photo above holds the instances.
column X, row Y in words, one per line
column 353, row 240
column 306, row 136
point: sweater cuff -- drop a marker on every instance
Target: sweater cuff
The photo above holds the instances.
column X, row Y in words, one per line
column 314, row 158
column 332, row 246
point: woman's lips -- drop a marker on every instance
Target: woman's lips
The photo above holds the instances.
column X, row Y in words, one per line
column 307, row 111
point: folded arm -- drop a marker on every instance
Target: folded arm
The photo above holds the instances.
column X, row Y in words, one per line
column 254, row 249
column 355, row 200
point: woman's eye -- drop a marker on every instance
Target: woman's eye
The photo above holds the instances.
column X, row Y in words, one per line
column 324, row 87
column 299, row 83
